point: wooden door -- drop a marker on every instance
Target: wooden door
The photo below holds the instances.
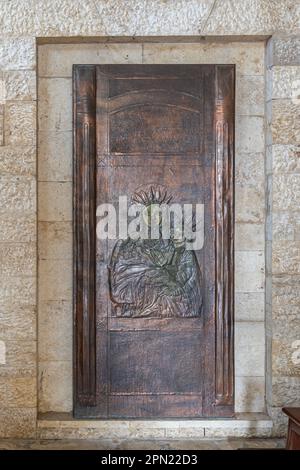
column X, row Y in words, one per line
column 153, row 336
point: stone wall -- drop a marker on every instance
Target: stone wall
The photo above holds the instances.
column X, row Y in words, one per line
column 21, row 23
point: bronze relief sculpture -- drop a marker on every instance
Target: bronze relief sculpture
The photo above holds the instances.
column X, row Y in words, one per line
column 154, row 277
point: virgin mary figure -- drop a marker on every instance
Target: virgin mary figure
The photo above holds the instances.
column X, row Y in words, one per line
column 154, row 278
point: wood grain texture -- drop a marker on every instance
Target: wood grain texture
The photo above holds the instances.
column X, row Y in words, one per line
column 166, row 125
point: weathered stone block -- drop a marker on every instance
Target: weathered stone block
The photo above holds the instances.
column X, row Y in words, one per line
column 55, row 331
column 286, row 122
column 19, row 85
column 55, row 201
column 286, row 298
column 250, row 134
column 285, row 391
column 55, row 240
column 18, row 161
column 249, row 349
column 286, row 192
column 17, row 321
column 249, row 169
column 249, row 394
column 18, row 392
column 55, row 156
column 18, row 422
column 20, row 359
column 286, row 348
column 20, row 123
column 286, row 158
column 55, row 280
column 286, row 257
column 55, row 386
column 286, row 51
column 250, row 92
column 17, row 53
column 56, row 60
column 55, row 104
column 17, row 259
column 19, row 289
column 249, row 306
column 249, row 204
column 249, row 237
column 249, row 271
column 286, row 83
column 17, row 194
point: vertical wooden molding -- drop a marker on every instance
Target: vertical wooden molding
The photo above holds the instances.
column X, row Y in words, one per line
column 224, row 122
column 84, row 217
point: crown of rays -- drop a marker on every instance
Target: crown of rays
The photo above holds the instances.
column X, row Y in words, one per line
column 151, row 194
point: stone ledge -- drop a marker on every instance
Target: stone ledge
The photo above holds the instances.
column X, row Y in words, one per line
column 63, row 426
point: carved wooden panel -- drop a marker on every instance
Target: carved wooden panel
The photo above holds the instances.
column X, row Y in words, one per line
column 153, row 321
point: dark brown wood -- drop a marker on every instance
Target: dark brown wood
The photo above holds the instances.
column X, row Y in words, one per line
column 84, row 236
column 156, row 127
column 293, row 437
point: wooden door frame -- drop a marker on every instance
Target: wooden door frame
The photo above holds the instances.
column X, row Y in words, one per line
column 220, row 400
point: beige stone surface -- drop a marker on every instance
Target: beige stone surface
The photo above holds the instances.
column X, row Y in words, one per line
column 285, row 391
column 286, row 348
column 286, row 158
column 17, row 228
column 55, row 386
column 249, row 271
column 249, row 204
column 249, row 306
column 55, row 240
column 57, row 60
column 55, row 156
column 55, row 280
column 55, row 104
column 286, row 122
column 249, row 237
column 285, row 298
column 17, row 321
column 286, row 50
column 20, row 359
column 19, row 85
column 18, row 259
column 249, row 134
column 250, row 96
column 18, row 392
column 20, row 123
column 19, row 289
column 55, row 330
column 249, row 349
column 249, row 60
column 250, row 394
column 55, row 201
column 17, row 195
column 249, row 169
column 17, row 53
column 17, row 160
column 18, row 422
column 286, row 257
column 286, row 83
column 286, row 192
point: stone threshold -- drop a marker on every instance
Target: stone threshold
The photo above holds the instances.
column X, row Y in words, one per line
column 64, row 426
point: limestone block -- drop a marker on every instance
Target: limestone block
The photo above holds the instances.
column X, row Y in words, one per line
column 18, row 423
column 55, row 201
column 286, row 82
column 249, row 271
column 249, row 394
column 249, row 59
column 55, row 104
column 286, row 257
column 250, row 95
column 286, row 122
column 286, row 348
column 249, row 306
column 55, row 280
column 17, row 195
column 18, row 259
column 17, row 53
column 55, row 331
column 55, row 386
column 250, row 134
column 286, row 192
column 285, row 391
column 249, row 169
column 17, row 160
column 19, row 289
column 17, row 321
column 286, row 50
column 18, row 392
column 20, row 123
column 249, row 204
column 285, row 298
column 286, row 158
column 249, row 237
column 249, row 349
column 19, row 85
column 17, row 228
column 55, row 240
column 55, row 156
column 56, row 60
column 20, row 359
